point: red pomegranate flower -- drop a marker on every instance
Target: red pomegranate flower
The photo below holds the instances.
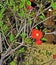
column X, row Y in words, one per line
column 54, row 56
column 39, row 42
column 29, row 7
column 36, row 34
column 31, row 0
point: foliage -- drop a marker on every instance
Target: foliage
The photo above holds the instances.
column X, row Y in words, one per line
column 12, row 63
column 21, row 50
column 48, row 53
column 53, row 4
column 44, row 39
column 28, row 3
column 2, row 10
column 1, row 23
column 5, row 28
column 42, row 16
column 23, row 35
column 28, row 40
column 21, row 13
column 11, row 37
column 14, row 14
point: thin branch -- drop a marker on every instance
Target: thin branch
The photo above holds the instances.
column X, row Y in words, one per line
column 12, row 50
column 1, row 49
column 41, row 22
column 0, row 43
column 4, row 37
column 20, row 31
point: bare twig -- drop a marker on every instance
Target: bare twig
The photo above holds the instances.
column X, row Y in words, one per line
column 4, row 37
column 41, row 22
column 12, row 50
column 1, row 49
column 20, row 31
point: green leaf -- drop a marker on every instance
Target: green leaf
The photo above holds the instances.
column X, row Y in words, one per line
column 30, row 22
column 45, row 30
column 50, row 53
column 23, row 35
column 1, row 15
column 42, row 16
column 27, row 15
column 2, row 10
column 28, row 41
column 12, row 63
column 5, row 28
column 21, row 5
column 39, row 51
column 11, row 3
column 1, row 5
column 21, row 50
column 28, row 3
column 47, row 52
column 53, row 4
column 21, row 14
column 44, row 39
column 1, row 23
column 36, row 27
column 15, row 8
column 7, row 2
column 23, row 1
column 11, row 37
column 26, row 63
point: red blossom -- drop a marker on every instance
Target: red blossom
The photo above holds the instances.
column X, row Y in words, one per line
column 39, row 42
column 29, row 7
column 31, row 0
column 36, row 34
column 54, row 56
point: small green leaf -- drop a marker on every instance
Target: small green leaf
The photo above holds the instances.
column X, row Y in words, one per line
column 47, row 53
column 1, row 23
column 45, row 30
column 44, row 39
column 28, row 3
column 11, row 37
column 26, row 63
column 21, row 5
column 5, row 28
column 21, row 14
column 2, row 10
column 30, row 22
column 23, row 1
column 15, row 8
column 28, row 41
column 7, row 2
column 36, row 27
column 23, row 35
column 53, row 4
column 39, row 51
column 27, row 15
column 21, row 50
column 12, row 63
column 11, row 3
column 50, row 53
column 42, row 16
column 1, row 5
column 1, row 15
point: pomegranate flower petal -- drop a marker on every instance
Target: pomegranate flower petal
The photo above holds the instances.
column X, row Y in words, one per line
column 31, row 0
column 39, row 42
column 36, row 34
column 29, row 7
column 54, row 56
